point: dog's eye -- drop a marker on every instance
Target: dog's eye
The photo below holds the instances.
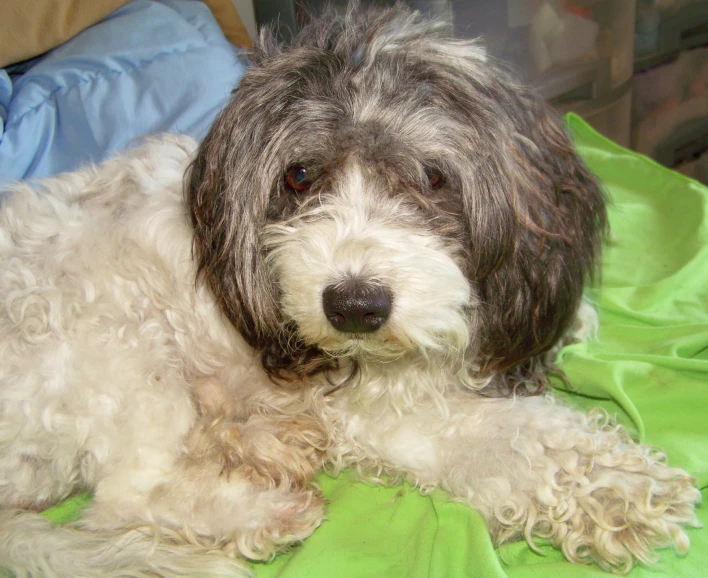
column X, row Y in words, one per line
column 435, row 178
column 298, row 178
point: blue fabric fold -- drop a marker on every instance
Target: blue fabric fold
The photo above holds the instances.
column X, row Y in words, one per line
column 150, row 67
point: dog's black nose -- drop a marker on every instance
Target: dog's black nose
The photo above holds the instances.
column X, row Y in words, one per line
column 356, row 307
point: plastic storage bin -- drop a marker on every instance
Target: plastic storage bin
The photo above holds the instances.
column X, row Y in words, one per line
column 696, row 169
column 609, row 115
column 576, row 49
column 670, row 109
column 666, row 27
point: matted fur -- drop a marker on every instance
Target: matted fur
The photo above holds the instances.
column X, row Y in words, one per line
column 171, row 352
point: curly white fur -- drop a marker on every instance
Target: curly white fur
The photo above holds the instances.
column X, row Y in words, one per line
column 127, row 372
column 118, row 375
column 105, row 343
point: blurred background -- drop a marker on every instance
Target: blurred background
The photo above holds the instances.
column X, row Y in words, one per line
column 637, row 70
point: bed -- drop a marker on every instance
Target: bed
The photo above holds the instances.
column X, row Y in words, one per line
column 165, row 66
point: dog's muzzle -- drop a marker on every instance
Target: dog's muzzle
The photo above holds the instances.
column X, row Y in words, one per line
column 356, row 307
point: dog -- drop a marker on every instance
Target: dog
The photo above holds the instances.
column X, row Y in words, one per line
column 369, row 263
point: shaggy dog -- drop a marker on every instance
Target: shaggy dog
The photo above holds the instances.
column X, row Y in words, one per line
column 369, row 263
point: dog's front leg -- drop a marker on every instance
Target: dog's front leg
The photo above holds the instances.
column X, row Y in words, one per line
column 534, row 467
column 246, row 486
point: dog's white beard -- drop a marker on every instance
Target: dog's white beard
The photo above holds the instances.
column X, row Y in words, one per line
column 359, row 234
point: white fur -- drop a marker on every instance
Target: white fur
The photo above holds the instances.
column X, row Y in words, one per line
column 354, row 234
column 119, row 374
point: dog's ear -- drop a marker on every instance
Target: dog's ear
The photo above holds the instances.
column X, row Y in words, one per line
column 227, row 188
column 531, row 296
column 535, row 215
column 228, row 191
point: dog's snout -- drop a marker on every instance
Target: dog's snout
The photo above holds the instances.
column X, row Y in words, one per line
column 356, row 307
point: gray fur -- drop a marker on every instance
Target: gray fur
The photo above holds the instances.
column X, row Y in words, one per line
column 390, row 89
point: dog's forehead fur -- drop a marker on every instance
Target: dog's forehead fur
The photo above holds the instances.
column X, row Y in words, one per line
column 378, row 87
column 386, row 91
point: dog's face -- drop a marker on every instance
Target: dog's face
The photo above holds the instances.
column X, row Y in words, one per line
column 375, row 191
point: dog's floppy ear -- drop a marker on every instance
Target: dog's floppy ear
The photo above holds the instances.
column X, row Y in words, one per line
column 227, row 189
column 530, row 298
column 534, row 213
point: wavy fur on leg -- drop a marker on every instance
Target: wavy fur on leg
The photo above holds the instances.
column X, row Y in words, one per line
column 120, row 375
column 32, row 546
column 533, row 467
column 602, row 497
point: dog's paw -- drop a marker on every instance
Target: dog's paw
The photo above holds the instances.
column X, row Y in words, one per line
column 629, row 508
column 287, row 520
column 612, row 501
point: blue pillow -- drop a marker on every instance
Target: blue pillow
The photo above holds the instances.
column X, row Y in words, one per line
column 148, row 68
